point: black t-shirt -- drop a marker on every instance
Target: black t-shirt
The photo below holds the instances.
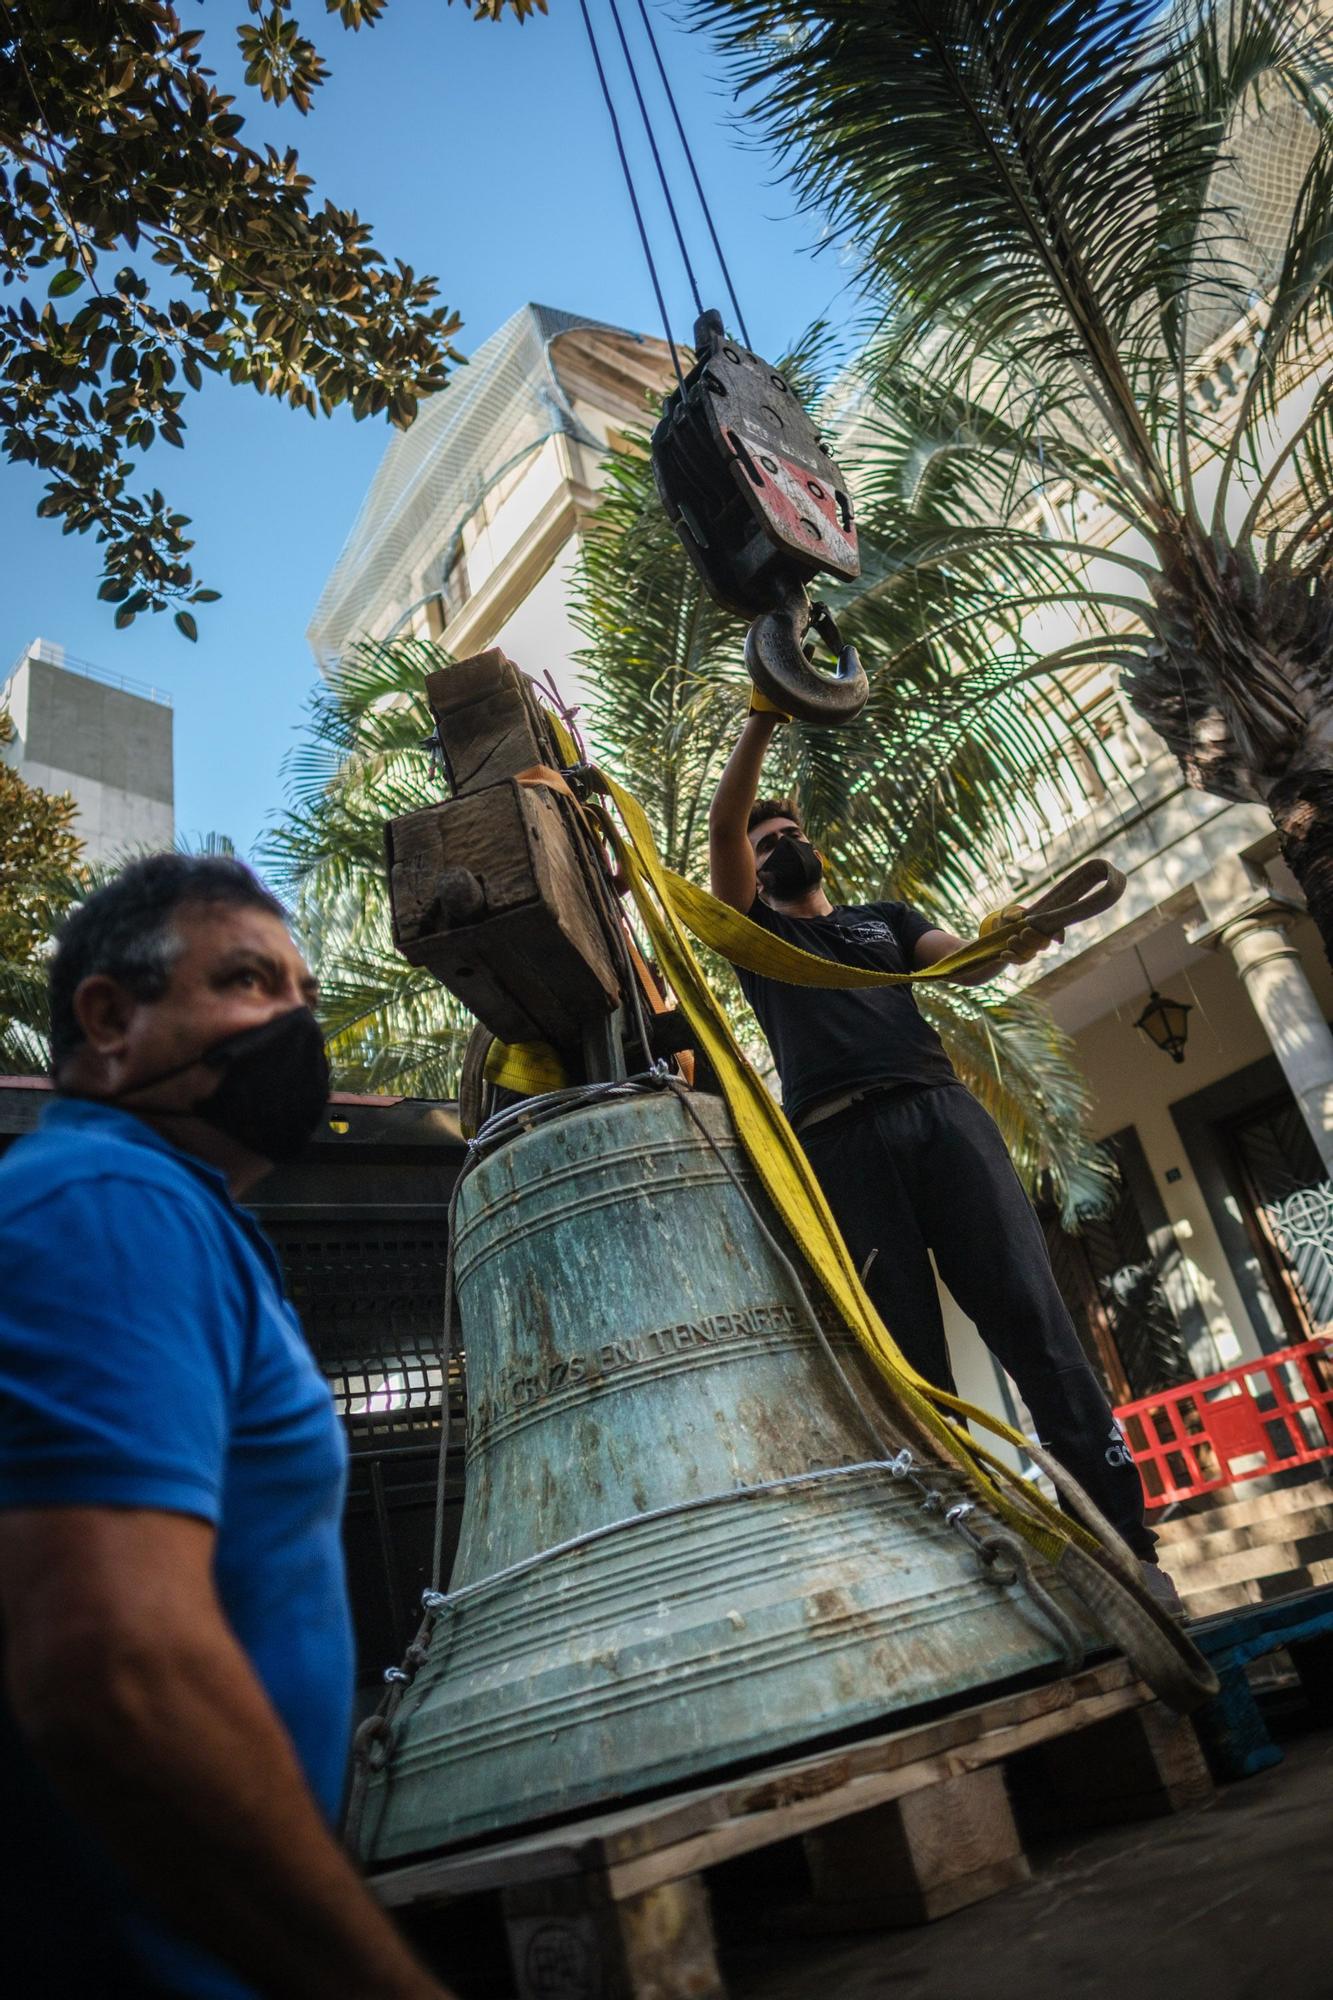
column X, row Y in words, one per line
column 825, row 1042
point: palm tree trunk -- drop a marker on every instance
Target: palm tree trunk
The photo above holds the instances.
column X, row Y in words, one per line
column 1302, row 807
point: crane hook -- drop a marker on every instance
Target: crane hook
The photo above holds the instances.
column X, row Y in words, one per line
column 782, row 667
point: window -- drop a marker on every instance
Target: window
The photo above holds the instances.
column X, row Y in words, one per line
column 455, row 590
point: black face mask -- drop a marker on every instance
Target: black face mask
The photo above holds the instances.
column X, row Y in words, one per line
column 791, row 868
column 274, row 1088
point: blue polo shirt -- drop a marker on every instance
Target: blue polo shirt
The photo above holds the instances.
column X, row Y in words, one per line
column 148, row 1358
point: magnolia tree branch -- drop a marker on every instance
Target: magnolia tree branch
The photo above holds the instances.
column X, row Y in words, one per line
column 144, row 245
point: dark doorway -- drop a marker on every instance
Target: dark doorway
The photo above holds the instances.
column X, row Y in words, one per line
column 1113, row 1282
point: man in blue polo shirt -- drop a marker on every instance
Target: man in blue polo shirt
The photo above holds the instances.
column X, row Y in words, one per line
column 176, row 1643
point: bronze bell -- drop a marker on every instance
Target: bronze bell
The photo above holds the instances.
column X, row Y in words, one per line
column 682, row 1547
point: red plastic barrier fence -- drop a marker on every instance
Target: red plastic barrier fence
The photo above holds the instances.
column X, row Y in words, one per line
column 1263, row 1416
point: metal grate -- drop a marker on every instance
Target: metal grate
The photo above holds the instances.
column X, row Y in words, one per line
column 371, row 1299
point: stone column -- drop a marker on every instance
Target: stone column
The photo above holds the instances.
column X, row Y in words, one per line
column 1258, row 939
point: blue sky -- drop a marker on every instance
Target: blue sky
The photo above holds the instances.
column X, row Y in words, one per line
column 482, row 154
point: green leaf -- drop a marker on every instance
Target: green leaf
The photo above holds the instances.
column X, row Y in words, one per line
column 141, row 146
column 185, row 623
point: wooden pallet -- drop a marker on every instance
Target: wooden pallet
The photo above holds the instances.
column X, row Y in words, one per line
column 1232, row 1726
column 897, row 1829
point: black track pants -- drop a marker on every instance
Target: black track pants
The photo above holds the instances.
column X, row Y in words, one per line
column 927, row 1170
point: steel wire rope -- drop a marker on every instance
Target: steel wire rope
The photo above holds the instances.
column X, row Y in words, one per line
column 629, row 184
column 663, row 181
column 694, row 174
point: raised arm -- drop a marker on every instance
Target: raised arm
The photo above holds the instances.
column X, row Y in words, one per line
column 147, row 1717
column 730, row 855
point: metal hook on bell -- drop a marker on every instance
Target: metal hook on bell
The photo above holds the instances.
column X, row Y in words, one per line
column 781, row 664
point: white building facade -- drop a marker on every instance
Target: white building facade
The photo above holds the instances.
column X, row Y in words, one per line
column 471, row 527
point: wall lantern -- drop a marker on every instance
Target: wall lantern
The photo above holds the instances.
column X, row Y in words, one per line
column 1165, row 1022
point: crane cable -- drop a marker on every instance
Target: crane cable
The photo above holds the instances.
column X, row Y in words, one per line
column 629, row 183
column 662, row 175
column 657, row 157
column 694, row 174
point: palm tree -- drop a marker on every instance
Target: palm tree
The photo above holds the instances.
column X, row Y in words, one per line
column 667, row 700
column 41, row 874
column 24, row 1017
column 1096, row 244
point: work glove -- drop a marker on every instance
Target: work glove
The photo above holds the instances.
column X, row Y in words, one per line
column 761, row 705
column 1028, row 943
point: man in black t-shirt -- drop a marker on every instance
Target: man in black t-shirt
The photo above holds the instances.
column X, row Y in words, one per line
column 909, row 1161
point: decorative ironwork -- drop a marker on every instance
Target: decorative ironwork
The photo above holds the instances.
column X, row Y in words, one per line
column 1292, row 1200
column 1303, row 1224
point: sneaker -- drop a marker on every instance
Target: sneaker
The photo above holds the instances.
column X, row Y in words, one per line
column 1162, row 1590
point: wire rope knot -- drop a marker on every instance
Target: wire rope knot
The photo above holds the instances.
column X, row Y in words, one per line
column 370, row 1745
column 994, row 1553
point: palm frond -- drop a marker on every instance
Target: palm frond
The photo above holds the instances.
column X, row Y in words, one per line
column 24, row 1017
column 1021, row 1067
column 361, row 760
column 996, row 168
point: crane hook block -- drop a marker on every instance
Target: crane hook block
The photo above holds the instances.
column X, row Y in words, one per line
column 761, row 509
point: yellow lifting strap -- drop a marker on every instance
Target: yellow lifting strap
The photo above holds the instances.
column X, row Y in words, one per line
column 667, row 903
column 1085, row 892
column 1097, row 1564
column 778, row 1158
column 530, row 1068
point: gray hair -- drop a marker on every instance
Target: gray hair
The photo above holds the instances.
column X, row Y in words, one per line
column 127, row 930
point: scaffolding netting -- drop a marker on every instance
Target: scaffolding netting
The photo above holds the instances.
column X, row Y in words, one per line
column 505, row 403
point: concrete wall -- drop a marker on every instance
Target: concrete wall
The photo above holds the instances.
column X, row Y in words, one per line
column 109, row 747
column 1137, row 1085
column 507, row 514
